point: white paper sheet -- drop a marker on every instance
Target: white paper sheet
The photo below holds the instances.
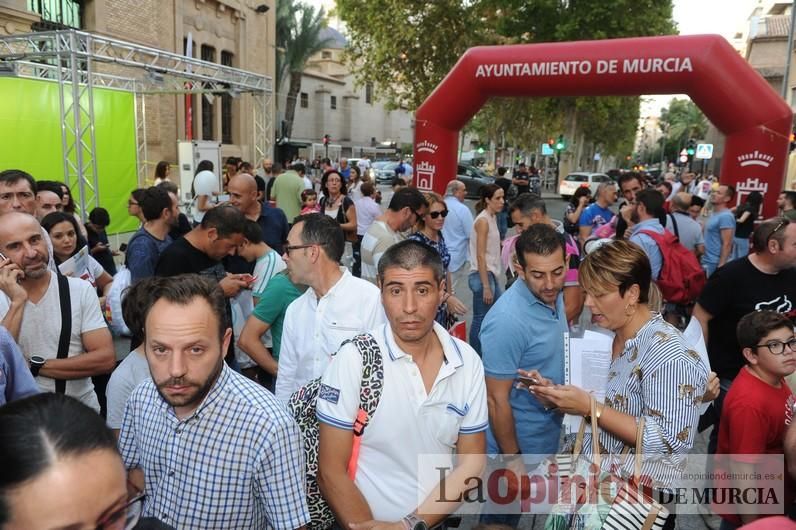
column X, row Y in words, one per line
column 77, row 265
column 589, row 363
column 695, row 340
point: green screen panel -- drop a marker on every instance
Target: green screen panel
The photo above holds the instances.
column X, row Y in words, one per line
column 30, row 136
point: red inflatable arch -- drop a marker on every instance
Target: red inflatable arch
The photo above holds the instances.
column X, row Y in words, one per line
column 755, row 120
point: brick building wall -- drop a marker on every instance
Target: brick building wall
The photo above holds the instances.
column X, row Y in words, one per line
column 233, row 26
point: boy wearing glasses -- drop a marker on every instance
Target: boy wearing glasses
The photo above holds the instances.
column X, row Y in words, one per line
column 759, row 406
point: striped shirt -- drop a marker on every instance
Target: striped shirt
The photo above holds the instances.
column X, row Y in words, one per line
column 236, row 462
column 658, row 377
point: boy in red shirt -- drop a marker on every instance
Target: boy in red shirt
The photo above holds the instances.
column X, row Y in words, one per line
column 759, row 405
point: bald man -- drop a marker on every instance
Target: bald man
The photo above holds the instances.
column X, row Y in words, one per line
column 18, row 194
column 680, row 223
column 242, row 190
column 30, row 309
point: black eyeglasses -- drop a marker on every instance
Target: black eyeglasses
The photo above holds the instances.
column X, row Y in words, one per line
column 434, row 215
column 125, row 517
column 777, row 347
column 290, row 248
column 782, row 223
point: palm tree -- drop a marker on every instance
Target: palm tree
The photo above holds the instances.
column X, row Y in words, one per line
column 299, row 36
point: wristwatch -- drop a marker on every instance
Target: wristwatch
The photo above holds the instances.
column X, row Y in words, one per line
column 413, row 522
column 36, row 362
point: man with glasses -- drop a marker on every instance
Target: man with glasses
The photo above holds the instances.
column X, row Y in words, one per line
column 763, row 280
column 759, row 406
column 406, row 207
column 336, row 306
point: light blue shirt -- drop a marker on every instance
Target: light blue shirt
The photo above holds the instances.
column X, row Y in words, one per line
column 717, row 222
column 521, row 331
column 456, row 232
column 16, row 381
column 648, row 244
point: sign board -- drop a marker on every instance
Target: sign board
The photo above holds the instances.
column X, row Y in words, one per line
column 683, row 158
column 683, row 153
column 596, row 157
column 704, row 151
column 547, row 150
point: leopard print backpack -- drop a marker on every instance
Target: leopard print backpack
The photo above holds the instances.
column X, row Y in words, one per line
column 302, row 405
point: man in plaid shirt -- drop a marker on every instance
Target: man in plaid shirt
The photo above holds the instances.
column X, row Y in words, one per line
column 210, row 448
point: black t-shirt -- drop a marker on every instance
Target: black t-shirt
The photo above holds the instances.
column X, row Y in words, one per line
column 504, row 183
column 183, row 258
column 732, row 291
column 744, row 230
column 523, row 188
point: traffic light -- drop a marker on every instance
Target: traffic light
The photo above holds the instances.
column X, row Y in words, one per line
column 480, row 150
column 326, row 139
column 560, row 143
column 691, row 148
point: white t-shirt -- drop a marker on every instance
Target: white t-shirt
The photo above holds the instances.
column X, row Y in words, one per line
column 41, row 329
column 132, row 371
column 307, row 183
column 375, row 243
column 268, row 265
column 394, row 476
column 204, row 183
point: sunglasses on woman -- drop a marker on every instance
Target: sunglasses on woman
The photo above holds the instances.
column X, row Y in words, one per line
column 434, row 215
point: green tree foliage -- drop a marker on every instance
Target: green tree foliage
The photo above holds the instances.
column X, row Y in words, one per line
column 298, row 29
column 407, row 47
column 680, row 122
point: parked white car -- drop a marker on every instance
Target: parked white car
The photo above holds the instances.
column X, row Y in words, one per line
column 573, row 181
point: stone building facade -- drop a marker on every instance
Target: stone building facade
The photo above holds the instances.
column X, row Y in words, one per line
column 238, row 33
column 331, row 102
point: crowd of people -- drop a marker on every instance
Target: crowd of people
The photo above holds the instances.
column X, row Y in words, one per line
column 244, row 313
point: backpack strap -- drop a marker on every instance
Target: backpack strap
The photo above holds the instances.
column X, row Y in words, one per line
column 370, row 389
column 674, row 224
column 66, row 326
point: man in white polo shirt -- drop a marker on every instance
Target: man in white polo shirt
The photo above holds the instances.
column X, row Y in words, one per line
column 336, row 306
column 433, row 402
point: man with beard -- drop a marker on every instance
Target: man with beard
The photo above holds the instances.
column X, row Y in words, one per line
column 211, row 448
column 525, row 328
column 62, row 355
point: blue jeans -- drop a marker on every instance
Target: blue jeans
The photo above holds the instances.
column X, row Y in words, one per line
column 503, row 223
column 479, row 307
column 741, row 247
column 710, row 268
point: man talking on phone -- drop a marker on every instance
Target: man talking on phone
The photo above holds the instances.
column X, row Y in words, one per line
column 526, row 325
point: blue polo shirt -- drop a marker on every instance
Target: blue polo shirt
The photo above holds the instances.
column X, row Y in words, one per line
column 520, row 331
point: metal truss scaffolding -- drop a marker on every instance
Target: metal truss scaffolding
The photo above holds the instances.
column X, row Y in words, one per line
column 79, row 61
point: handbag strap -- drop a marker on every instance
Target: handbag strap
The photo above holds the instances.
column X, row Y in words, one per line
column 66, row 326
column 595, row 435
column 639, row 438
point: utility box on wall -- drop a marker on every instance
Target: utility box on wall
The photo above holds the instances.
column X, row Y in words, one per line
column 189, row 154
